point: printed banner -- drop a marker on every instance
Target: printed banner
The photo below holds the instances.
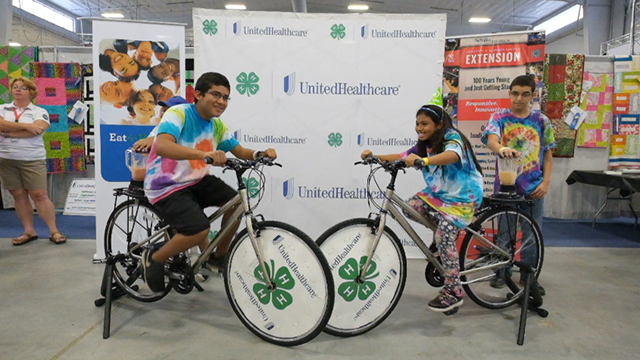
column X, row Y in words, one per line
column 477, row 74
column 625, row 138
column 131, row 74
column 320, row 89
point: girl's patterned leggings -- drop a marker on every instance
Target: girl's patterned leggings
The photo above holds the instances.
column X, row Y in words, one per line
column 445, row 238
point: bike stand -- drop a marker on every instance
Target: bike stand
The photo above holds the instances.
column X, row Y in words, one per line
column 110, row 293
column 532, row 300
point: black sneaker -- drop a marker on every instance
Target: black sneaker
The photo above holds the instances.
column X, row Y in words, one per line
column 542, row 291
column 152, row 272
column 497, row 282
column 214, row 264
column 445, row 302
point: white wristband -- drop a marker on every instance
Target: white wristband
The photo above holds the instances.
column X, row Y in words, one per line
column 255, row 154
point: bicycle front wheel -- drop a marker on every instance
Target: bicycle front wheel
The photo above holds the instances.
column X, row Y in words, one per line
column 299, row 306
column 130, row 223
column 483, row 268
column 363, row 304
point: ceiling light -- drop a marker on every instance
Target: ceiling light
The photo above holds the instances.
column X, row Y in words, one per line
column 235, row 7
column 479, row 20
column 110, row 15
column 358, row 7
column 14, row 44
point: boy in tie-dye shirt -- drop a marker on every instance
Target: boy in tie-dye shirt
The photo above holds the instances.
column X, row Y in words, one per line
column 521, row 133
column 178, row 183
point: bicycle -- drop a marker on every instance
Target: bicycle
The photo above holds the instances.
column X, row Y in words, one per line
column 276, row 278
column 368, row 259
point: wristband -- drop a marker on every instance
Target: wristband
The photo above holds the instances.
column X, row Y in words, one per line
column 502, row 148
column 425, row 160
column 255, row 154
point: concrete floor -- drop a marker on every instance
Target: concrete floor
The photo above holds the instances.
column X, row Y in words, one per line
column 47, row 312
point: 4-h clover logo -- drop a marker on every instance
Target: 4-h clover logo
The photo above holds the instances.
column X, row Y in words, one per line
column 335, row 139
column 253, row 186
column 349, row 271
column 212, row 234
column 278, row 296
column 210, row 27
column 338, row 31
column 247, row 83
column 535, row 53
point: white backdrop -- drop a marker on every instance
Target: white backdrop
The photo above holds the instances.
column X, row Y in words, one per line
column 113, row 138
column 320, row 89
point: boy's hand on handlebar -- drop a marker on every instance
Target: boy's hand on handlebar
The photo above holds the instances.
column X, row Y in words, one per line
column 219, row 157
column 365, row 154
column 270, row 153
column 410, row 160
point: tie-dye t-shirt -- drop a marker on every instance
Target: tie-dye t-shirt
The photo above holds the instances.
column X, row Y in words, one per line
column 166, row 176
column 531, row 136
column 455, row 190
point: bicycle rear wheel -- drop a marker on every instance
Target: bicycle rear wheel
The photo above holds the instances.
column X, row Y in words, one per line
column 513, row 231
column 130, row 223
column 363, row 304
column 301, row 303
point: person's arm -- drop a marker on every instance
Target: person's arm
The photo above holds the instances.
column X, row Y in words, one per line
column 248, row 154
column 444, row 158
column 493, row 142
column 21, row 130
column 547, row 165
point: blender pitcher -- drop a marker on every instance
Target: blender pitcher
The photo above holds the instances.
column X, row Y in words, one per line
column 508, row 171
column 137, row 163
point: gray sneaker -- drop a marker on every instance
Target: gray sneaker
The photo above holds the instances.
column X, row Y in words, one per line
column 497, row 283
column 152, row 272
column 445, row 302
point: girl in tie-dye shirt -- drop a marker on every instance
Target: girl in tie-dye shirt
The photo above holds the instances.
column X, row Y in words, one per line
column 453, row 192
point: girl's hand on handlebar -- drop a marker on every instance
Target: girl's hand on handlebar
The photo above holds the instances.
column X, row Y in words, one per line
column 409, row 161
column 219, row 157
column 270, row 153
column 365, row 154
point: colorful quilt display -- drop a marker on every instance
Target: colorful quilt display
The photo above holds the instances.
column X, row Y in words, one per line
column 596, row 99
column 560, row 92
column 625, row 139
column 14, row 62
column 59, row 87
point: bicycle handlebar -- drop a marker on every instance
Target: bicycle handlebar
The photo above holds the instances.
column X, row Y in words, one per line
column 242, row 164
column 389, row 165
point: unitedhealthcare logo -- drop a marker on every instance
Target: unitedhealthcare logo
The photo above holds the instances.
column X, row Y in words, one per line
column 237, row 28
column 336, row 88
column 289, row 190
column 364, row 31
column 268, row 139
column 362, row 140
column 290, row 84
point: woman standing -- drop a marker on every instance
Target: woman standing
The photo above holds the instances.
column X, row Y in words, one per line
column 23, row 170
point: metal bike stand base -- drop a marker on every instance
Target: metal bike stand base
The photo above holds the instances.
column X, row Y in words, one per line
column 531, row 299
column 111, row 291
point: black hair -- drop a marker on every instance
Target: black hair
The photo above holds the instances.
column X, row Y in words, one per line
column 121, row 46
column 153, row 78
column 104, row 61
column 209, row 79
column 436, row 141
column 524, row 80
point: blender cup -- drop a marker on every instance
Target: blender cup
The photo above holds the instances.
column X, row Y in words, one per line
column 137, row 164
column 508, row 171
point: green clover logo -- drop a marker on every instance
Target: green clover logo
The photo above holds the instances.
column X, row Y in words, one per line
column 247, row 83
column 335, row 139
column 278, row 296
column 338, row 31
column 349, row 271
column 210, row 27
column 212, row 234
column 253, row 186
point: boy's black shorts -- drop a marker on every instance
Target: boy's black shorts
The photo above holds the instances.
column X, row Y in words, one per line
column 183, row 209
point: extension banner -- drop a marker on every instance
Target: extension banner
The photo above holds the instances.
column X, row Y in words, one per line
column 320, row 89
column 477, row 74
column 126, row 98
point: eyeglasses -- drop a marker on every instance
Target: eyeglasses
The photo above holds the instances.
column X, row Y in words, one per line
column 217, row 96
column 515, row 94
column 20, row 88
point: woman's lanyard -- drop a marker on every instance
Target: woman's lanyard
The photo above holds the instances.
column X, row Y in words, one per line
column 15, row 112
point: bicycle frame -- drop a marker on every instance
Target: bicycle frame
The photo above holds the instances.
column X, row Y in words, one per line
column 242, row 211
column 390, row 205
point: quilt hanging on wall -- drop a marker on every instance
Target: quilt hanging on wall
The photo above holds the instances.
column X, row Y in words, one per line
column 596, row 98
column 561, row 92
column 14, row 62
column 59, row 87
column 625, row 139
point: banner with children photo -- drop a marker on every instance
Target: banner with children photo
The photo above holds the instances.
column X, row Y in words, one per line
column 132, row 74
